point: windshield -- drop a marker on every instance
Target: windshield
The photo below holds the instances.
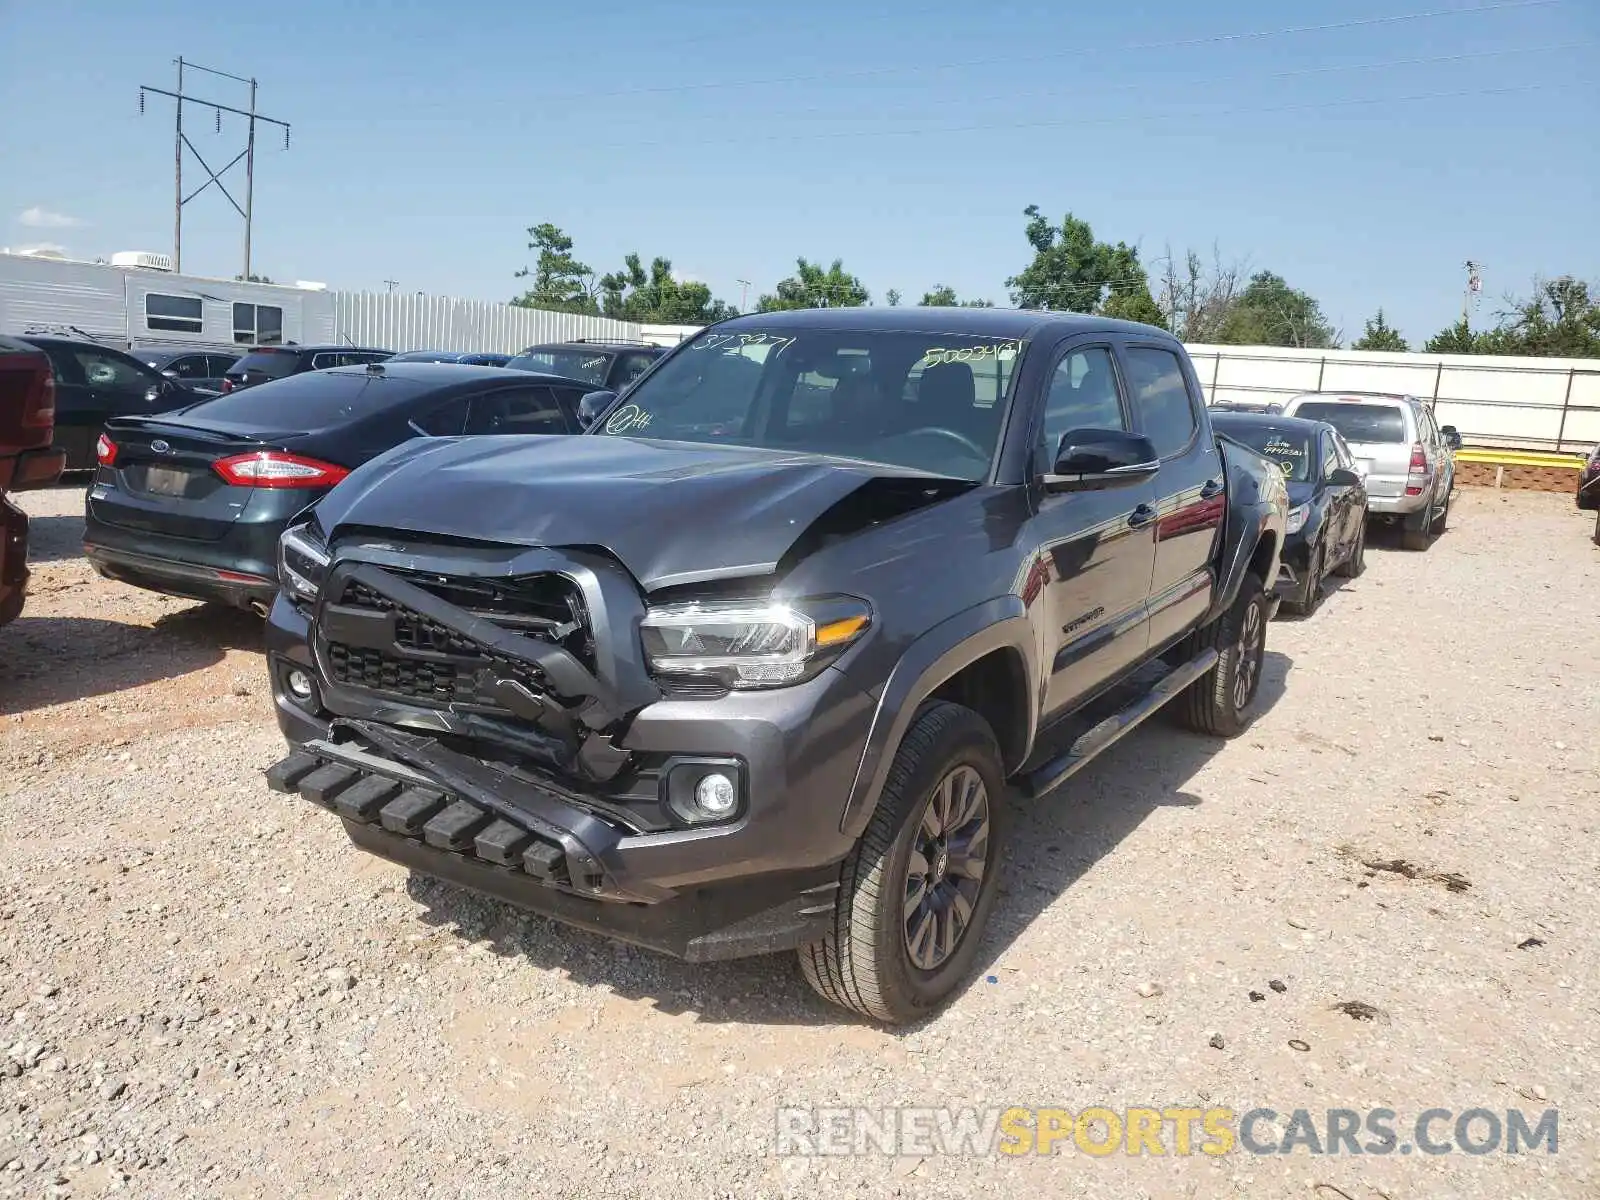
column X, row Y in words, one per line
column 1290, row 450
column 924, row 401
column 584, row 365
column 1357, row 422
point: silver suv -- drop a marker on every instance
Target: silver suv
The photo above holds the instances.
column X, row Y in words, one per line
column 1408, row 460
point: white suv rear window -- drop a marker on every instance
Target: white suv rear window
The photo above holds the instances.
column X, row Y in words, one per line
column 1357, row 421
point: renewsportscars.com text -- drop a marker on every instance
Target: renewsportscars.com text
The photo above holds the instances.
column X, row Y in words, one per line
column 1100, row 1131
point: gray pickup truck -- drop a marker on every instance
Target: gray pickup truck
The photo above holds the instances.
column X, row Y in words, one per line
column 751, row 664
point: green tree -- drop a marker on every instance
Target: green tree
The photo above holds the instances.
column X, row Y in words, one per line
column 892, row 297
column 945, row 297
column 1457, row 339
column 1072, row 271
column 1380, row 335
column 1271, row 313
column 812, row 287
column 1560, row 320
column 560, row 281
column 656, row 297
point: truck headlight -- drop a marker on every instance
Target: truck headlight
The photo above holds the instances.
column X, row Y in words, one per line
column 302, row 563
column 1297, row 517
column 751, row 645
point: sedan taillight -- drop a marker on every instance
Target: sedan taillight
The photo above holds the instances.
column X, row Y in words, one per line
column 278, row 469
column 105, row 451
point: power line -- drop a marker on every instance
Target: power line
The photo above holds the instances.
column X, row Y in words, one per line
column 1082, row 122
column 1205, row 81
column 1077, row 52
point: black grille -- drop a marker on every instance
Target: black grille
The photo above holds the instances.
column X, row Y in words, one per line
column 437, row 665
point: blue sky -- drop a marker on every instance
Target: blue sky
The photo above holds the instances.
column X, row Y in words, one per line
column 732, row 137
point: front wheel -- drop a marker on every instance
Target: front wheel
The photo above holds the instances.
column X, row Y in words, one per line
column 1352, row 567
column 1310, row 598
column 1219, row 701
column 915, row 894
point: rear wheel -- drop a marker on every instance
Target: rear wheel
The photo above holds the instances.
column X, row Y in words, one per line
column 1219, row 701
column 1443, row 519
column 1415, row 531
column 916, row 892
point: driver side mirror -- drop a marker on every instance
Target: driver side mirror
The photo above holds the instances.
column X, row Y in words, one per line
column 1092, row 459
column 1343, row 477
column 1452, row 436
column 592, row 405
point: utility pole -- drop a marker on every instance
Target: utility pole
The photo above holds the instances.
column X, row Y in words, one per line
column 744, row 294
column 1474, row 286
column 181, row 140
column 391, row 284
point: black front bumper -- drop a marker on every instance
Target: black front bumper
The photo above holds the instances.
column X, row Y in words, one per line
column 529, row 846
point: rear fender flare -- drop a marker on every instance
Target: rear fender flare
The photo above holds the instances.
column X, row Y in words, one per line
column 930, row 661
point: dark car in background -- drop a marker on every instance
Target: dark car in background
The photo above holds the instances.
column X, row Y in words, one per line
column 611, row 365
column 27, row 458
column 464, row 357
column 1589, row 481
column 95, row 383
column 199, row 368
column 191, row 504
column 262, row 364
column 1327, row 530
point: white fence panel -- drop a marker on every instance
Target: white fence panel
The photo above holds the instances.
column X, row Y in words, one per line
column 418, row 322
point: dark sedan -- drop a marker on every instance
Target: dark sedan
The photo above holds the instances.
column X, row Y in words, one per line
column 192, row 503
column 95, row 383
column 1327, row 532
column 198, row 368
column 464, row 357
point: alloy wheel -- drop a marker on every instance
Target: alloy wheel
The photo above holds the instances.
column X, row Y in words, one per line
column 945, row 874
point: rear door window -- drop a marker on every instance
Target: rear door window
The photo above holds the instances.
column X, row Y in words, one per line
column 517, row 410
column 1161, row 397
column 1357, row 422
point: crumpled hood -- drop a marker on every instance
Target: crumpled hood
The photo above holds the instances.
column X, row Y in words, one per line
column 671, row 512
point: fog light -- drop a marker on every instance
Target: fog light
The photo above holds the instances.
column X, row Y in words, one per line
column 715, row 795
column 299, row 684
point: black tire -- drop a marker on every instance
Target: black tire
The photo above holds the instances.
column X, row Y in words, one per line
column 1415, row 532
column 1217, row 703
column 865, row 961
column 1352, row 567
column 1442, row 521
column 1310, row 597
column 1597, row 529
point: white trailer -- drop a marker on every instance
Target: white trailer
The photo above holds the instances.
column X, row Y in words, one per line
column 139, row 305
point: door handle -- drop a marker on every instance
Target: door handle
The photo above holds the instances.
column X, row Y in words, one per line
column 1141, row 516
column 1212, row 489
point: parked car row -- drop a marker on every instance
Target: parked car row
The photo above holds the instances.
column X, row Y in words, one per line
column 95, row 383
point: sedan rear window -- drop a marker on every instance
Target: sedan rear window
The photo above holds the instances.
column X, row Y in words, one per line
column 311, row 400
column 1357, row 422
column 274, row 364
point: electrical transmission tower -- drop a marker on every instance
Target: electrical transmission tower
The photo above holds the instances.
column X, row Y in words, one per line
column 181, row 140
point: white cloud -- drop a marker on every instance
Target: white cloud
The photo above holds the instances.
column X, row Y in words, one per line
column 41, row 248
column 42, row 218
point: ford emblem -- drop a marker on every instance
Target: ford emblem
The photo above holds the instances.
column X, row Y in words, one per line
column 160, row 446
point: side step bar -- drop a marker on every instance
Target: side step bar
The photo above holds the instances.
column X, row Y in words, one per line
column 1115, row 727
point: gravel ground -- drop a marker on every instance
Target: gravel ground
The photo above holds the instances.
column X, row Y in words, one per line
column 210, row 993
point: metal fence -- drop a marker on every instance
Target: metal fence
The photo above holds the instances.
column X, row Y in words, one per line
column 420, row 322
column 1531, row 403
